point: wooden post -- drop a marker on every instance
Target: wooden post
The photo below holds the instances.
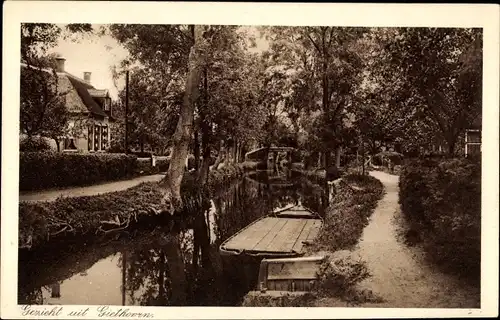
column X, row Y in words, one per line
column 466, row 143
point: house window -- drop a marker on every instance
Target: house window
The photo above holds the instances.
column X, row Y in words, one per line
column 104, row 137
column 97, row 134
column 90, row 137
column 69, row 144
column 472, row 142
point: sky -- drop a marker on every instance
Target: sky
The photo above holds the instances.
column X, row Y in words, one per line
column 97, row 54
column 93, row 54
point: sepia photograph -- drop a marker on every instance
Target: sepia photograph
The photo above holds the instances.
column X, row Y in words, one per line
column 237, row 165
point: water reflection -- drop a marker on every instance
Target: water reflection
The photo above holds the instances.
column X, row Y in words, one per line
column 175, row 266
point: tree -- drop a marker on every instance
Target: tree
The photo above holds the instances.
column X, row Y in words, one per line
column 197, row 58
column 441, row 72
column 327, row 67
column 154, row 103
column 227, row 115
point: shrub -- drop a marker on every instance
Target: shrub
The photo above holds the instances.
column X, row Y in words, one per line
column 145, row 154
column 42, row 170
column 346, row 218
column 340, row 274
column 339, row 277
column 395, row 157
column 144, row 166
column 34, row 144
column 442, row 201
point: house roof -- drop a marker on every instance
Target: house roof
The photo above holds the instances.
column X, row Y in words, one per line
column 82, row 87
column 85, row 91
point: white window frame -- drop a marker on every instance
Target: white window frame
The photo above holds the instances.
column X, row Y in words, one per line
column 472, row 143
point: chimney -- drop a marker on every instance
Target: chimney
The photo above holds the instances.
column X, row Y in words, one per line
column 60, row 63
column 86, row 76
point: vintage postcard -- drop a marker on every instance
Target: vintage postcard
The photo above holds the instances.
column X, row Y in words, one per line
column 235, row 160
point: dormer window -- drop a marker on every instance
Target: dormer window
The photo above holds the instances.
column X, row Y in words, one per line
column 107, row 104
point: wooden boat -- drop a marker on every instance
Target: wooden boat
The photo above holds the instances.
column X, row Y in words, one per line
column 281, row 234
column 289, row 274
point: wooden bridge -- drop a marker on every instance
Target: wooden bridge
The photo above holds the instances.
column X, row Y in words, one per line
column 269, row 155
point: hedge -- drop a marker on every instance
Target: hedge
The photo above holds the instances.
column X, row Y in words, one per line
column 34, row 144
column 442, row 201
column 44, row 170
column 349, row 212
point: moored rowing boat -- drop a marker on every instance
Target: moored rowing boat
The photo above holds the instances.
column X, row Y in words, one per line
column 283, row 233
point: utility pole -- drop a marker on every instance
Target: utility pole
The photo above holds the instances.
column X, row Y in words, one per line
column 126, row 112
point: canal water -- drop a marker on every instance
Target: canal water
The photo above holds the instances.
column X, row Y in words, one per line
column 178, row 266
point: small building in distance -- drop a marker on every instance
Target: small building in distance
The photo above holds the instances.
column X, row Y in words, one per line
column 90, row 110
column 473, row 138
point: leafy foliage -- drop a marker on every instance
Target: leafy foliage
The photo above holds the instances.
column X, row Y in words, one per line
column 434, row 79
column 349, row 212
column 322, row 69
column 43, row 110
column 442, row 201
column 33, row 145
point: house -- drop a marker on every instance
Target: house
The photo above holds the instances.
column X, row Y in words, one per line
column 90, row 111
column 473, row 138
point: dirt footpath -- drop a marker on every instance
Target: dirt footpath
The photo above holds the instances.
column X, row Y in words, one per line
column 51, row 195
column 400, row 276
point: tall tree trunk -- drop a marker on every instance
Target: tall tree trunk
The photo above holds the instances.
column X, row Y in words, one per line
column 451, row 142
column 205, row 135
column 58, row 146
column 221, row 156
column 338, row 152
column 242, row 152
column 236, row 152
column 171, row 183
column 196, row 151
column 205, row 165
column 363, row 157
column 327, row 160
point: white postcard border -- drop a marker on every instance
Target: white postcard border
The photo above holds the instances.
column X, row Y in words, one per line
column 383, row 15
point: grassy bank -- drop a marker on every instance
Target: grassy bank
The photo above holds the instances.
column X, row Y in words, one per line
column 41, row 222
column 355, row 200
